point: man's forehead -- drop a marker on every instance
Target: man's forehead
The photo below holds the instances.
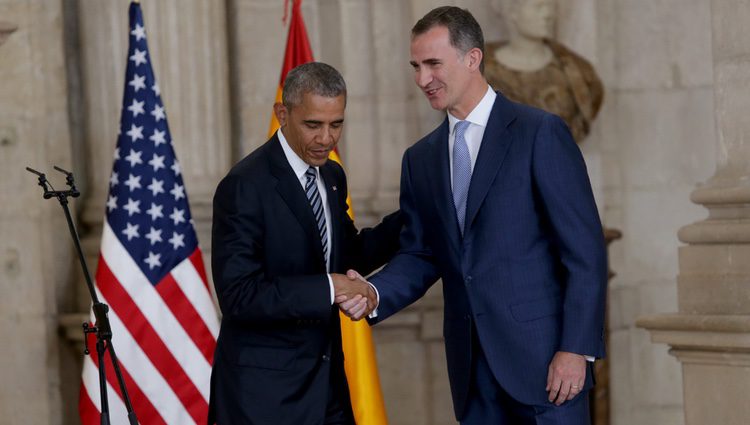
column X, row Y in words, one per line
column 435, row 39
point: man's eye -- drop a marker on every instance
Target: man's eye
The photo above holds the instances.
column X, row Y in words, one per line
column 311, row 125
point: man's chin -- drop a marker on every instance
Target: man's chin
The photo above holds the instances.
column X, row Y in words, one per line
column 317, row 162
column 437, row 104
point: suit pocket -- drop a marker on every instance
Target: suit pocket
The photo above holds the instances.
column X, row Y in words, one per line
column 532, row 310
column 273, row 358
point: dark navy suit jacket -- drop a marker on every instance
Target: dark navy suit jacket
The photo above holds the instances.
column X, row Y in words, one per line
column 530, row 272
column 279, row 349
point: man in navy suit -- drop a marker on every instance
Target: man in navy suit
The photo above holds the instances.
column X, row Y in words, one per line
column 496, row 201
column 280, row 234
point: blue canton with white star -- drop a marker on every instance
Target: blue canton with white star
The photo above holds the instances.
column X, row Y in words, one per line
column 147, row 206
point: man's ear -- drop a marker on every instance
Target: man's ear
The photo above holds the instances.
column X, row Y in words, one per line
column 281, row 113
column 474, row 57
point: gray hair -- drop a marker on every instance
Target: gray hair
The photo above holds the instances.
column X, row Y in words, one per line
column 464, row 31
column 313, row 77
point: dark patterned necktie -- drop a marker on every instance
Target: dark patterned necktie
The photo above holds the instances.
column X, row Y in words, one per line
column 311, row 190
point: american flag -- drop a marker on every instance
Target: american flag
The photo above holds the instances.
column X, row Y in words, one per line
column 150, row 269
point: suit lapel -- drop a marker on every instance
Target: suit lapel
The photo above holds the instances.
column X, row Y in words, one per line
column 441, row 182
column 495, row 143
column 290, row 190
column 333, row 193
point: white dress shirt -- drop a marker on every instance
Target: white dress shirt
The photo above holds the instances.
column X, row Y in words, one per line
column 300, row 168
column 477, row 119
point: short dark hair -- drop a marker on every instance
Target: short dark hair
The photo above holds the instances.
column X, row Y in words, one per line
column 313, row 77
column 464, row 31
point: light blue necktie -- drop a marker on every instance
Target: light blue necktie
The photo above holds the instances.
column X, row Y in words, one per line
column 461, row 172
column 311, row 190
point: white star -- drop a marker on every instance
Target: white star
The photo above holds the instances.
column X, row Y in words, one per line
column 158, row 137
column 156, row 187
column 133, row 182
column 117, row 150
column 177, row 240
column 134, row 157
column 113, row 179
column 111, row 203
column 131, row 231
column 156, row 89
column 176, row 168
column 178, row 192
column 136, row 108
column 139, row 57
column 153, row 260
column 135, row 132
column 178, row 216
column 138, row 82
column 155, row 211
column 157, row 162
column 132, row 207
column 139, row 32
column 154, row 236
column 158, row 112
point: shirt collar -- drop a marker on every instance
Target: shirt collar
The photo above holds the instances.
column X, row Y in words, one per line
column 480, row 114
column 298, row 165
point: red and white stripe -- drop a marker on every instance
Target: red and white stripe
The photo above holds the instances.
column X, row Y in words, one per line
column 164, row 337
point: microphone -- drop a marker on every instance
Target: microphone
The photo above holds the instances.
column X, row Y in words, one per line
column 69, row 181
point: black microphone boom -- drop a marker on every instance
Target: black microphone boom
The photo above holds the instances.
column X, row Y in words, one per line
column 102, row 328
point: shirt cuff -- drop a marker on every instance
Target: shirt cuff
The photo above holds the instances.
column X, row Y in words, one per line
column 590, row 358
column 374, row 313
column 330, row 286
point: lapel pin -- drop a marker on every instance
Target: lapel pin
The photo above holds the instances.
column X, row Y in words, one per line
column 334, row 188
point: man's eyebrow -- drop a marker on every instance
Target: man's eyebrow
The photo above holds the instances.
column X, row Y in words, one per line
column 321, row 122
column 429, row 61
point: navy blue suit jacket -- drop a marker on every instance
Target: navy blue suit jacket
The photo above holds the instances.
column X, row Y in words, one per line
column 530, row 272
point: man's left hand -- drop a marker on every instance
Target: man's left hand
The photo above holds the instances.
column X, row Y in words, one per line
column 567, row 373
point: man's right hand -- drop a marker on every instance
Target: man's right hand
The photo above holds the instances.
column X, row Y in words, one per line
column 353, row 294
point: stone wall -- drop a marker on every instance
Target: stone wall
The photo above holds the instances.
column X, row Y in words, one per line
column 657, row 141
column 218, row 64
column 35, row 252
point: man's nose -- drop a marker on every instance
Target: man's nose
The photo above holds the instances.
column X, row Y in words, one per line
column 327, row 134
column 423, row 78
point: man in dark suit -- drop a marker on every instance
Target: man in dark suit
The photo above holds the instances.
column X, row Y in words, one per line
column 496, row 201
column 280, row 229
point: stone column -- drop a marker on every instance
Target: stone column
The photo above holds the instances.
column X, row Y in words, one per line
column 35, row 249
column 710, row 335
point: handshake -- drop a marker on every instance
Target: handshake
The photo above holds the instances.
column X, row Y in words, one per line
column 354, row 295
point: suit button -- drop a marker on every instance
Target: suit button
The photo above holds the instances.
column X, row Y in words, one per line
column 467, row 280
column 326, row 358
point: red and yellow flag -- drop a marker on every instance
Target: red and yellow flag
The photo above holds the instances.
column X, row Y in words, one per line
column 359, row 350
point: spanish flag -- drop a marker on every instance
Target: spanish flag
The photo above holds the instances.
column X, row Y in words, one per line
column 359, row 351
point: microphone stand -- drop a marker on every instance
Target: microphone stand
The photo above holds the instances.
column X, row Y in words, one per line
column 102, row 328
